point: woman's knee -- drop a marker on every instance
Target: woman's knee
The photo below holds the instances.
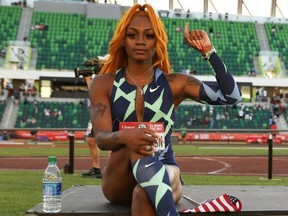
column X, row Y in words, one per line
column 141, row 204
column 91, row 141
column 140, row 194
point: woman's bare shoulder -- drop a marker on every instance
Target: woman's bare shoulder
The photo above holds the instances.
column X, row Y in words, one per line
column 175, row 77
column 103, row 79
column 102, row 82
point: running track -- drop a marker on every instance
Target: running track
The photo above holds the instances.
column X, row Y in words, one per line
column 208, row 165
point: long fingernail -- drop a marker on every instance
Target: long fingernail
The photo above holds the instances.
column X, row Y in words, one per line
column 202, row 46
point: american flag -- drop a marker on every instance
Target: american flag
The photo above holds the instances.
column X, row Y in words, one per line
column 223, row 203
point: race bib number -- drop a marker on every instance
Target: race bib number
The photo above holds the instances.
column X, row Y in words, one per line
column 157, row 127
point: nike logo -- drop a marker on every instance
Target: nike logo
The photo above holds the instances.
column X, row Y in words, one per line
column 153, row 90
column 150, row 164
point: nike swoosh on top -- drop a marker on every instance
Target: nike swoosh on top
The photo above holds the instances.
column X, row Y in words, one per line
column 150, row 164
column 153, row 90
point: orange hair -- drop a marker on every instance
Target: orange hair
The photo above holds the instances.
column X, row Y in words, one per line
column 118, row 57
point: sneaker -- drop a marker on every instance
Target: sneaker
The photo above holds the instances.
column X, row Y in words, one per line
column 94, row 172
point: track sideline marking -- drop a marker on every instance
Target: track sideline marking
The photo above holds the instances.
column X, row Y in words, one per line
column 226, row 165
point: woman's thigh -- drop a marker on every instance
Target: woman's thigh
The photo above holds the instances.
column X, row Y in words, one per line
column 118, row 181
column 174, row 175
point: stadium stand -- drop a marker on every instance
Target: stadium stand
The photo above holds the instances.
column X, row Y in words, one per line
column 74, row 114
column 9, row 19
column 228, row 37
column 68, row 39
column 278, row 39
column 52, row 114
column 64, row 40
column 222, row 117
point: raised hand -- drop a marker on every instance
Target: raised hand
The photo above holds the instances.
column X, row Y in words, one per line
column 198, row 39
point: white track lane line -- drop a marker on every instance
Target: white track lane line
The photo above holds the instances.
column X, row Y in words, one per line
column 225, row 165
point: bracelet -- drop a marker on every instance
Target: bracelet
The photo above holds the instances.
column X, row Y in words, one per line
column 208, row 54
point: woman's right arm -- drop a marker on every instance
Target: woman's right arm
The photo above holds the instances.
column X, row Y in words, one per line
column 100, row 112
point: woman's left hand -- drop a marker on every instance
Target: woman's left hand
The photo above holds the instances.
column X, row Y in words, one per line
column 198, row 39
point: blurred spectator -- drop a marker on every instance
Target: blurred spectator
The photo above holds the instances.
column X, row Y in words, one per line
column 193, row 71
column 179, row 29
column 189, row 122
column 40, row 27
column 183, row 132
column 206, row 120
column 22, row 87
column 241, row 114
column 252, row 72
column 257, row 95
column 188, row 13
column 26, row 38
column 34, row 135
column 195, row 120
column 5, row 135
column 211, row 119
column 220, row 16
column 204, row 109
column 9, row 86
column 211, row 31
column 264, row 94
column 219, row 34
column 273, row 30
column 273, row 127
column 3, row 52
column 276, row 110
column 271, row 121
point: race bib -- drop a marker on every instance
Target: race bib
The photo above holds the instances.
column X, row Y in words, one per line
column 157, row 127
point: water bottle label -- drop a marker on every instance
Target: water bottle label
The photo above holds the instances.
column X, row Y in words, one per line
column 52, row 188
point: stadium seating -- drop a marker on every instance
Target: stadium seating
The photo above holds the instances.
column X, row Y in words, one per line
column 69, row 40
column 75, row 115
column 236, row 42
column 72, row 115
column 224, row 117
column 278, row 40
column 9, row 19
column 72, row 38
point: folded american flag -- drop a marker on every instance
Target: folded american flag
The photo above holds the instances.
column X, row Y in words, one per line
column 223, row 203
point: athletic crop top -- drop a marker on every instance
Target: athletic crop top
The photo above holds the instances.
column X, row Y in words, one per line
column 158, row 107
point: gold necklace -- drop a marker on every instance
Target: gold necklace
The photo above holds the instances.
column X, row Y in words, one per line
column 146, row 81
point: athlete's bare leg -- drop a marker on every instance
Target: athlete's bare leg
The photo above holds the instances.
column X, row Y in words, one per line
column 94, row 152
column 120, row 187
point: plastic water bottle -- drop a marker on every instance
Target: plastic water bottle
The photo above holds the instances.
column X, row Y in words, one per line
column 52, row 187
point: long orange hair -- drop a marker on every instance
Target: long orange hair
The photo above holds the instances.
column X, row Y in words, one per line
column 118, row 57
